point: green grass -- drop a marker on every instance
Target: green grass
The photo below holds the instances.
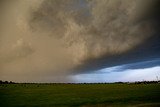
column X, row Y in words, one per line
column 83, row 95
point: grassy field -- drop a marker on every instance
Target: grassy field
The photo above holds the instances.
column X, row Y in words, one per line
column 83, row 95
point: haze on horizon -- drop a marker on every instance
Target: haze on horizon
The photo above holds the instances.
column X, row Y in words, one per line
column 61, row 41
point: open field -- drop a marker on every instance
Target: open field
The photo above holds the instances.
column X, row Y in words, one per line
column 83, row 95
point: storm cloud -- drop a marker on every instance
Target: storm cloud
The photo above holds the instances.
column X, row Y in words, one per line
column 47, row 40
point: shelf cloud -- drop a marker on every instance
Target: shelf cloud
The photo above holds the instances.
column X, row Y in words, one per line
column 47, row 40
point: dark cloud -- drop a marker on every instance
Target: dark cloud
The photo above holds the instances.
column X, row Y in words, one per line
column 53, row 38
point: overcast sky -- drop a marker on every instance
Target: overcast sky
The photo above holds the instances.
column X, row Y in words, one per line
column 68, row 41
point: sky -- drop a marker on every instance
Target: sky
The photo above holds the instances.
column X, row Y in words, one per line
column 140, row 71
column 79, row 40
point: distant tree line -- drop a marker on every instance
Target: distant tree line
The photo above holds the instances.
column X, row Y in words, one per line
column 137, row 82
column 6, row 82
column 146, row 82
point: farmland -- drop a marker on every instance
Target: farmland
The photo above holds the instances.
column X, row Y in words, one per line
column 82, row 95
